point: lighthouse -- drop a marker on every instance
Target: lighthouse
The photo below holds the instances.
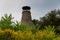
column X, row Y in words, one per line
column 26, row 15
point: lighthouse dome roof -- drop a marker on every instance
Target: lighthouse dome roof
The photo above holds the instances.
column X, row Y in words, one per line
column 26, row 7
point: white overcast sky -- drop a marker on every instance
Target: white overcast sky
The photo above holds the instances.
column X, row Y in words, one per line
column 39, row 7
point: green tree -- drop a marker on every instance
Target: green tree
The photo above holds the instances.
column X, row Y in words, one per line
column 35, row 22
column 51, row 18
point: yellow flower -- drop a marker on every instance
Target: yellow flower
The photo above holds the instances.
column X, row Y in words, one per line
column 20, row 34
column 33, row 37
column 40, row 34
column 1, row 31
column 27, row 35
column 14, row 33
column 8, row 30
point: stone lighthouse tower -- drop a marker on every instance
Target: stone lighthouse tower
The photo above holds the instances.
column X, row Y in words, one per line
column 26, row 16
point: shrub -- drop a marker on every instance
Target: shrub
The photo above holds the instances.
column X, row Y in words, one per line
column 46, row 34
column 17, row 31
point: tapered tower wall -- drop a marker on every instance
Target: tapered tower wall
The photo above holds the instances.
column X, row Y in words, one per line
column 26, row 16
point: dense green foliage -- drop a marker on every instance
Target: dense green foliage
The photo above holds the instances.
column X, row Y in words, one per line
column 43, row 29
column 51, row 18
column 46, row 34
column 6, row 22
